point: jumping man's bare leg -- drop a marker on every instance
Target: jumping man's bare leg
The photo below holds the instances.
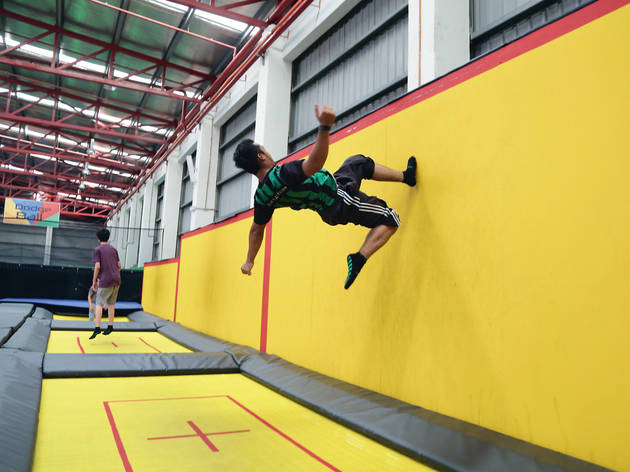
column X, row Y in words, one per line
column 376, row 239
column 385, row 174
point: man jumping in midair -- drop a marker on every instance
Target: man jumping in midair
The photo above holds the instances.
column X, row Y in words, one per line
column 337, row 198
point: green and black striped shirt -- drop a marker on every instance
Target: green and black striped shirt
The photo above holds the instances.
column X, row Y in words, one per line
column 286, row 185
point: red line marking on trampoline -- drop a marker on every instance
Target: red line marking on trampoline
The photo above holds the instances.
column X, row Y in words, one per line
column 285, row 436
column 177, row 284
column 115, row 345
column 264, row 315
column 79, row 343
column 123, row 454
column 203, row 437
column 117, row 439
column 148, row 344
column 195, row 435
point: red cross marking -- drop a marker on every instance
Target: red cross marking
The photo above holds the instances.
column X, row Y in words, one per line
column 202, row 435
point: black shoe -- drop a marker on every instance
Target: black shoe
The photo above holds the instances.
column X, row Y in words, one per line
column 355, row 264
column 108, row 330
column 95, row 333
column 409, row 175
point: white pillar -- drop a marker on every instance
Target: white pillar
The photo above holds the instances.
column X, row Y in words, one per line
column 172, row 194
column 147, row 222
column 48, row 245
column 122, row 234
column 413, row 45
column 445, row 37
column 204, row 193
column 274, row 105
column 131, row 258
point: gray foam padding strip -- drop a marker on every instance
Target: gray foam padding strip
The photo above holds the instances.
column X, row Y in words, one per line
column 193, row 339
column 59, row 325
column 16, row 308
column 126, row 365
column 437, row 440
column 142, row 317
column 20, row 392
column 5, row 334
column 32, row 336
column 42, row 314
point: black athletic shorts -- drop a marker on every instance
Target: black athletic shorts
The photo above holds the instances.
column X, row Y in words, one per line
column 353, row 206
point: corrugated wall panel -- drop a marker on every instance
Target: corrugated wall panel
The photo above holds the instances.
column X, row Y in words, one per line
column 377, row 65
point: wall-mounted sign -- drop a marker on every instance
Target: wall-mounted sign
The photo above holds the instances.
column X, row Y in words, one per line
column 31, row 212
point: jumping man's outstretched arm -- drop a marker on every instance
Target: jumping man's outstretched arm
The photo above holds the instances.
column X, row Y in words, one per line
column 256, row 233
column 317, row 158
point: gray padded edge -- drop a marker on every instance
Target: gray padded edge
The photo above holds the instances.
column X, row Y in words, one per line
column 5, row 334
column 59, row 325
column 32, row 336
column 20, row 392
column 42, row 314
column 126, row 365
column 193, row 339
column 142, row 317
column 12, row 320
column 16, row 308
column 437, row 440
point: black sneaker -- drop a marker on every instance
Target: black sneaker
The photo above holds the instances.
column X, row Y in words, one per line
column 409, row 174
column 95, row 333
column 108, row 330
column 355, row 264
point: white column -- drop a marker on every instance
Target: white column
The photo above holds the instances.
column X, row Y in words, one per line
column 147, row 222
column 274, row 105
column 413, row 49
column 172, row 194
column 204, row 193
column 114, row 230
column 122, row 234
column 445, row 37
column 131, row 258
column 48, row 245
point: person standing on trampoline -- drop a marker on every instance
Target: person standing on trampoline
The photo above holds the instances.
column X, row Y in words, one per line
column 336, row 197
column 107, row 278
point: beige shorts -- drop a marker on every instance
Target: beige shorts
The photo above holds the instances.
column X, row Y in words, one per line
column 107, row 295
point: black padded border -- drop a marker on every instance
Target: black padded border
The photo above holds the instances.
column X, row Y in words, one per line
column 32, row 336
column 135, row 365
column 20, row 392
column 63, row 325
column 439, row 441
column 194, row 340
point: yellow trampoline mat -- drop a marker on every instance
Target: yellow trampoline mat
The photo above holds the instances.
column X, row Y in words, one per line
column 117, row 319
column 118, row 342
column 195, row 423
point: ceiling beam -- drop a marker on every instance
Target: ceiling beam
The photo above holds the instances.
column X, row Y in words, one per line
column 222, row 11
column 89, row 129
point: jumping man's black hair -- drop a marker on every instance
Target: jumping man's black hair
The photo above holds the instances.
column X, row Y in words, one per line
column 246, row 156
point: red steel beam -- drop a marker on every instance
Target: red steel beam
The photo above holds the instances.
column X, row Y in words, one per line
column 58, row 176
column 132, row 169
column 88, row 129
column 102, row 44
column 69, row 93
column 216, row 91
column 31, row 186
column 166, row 25
column 222, row 11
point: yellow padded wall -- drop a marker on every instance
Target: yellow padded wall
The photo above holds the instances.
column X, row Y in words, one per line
column 503, row 299
column 159, row 283
column 214, row 297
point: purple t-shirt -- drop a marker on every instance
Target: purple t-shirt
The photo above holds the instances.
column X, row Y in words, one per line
column 109, row 274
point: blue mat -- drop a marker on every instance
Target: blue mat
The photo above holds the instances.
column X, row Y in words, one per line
column 68, row 303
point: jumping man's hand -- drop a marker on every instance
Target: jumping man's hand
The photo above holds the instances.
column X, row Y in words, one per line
column 326, row 116
column 246, row 268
